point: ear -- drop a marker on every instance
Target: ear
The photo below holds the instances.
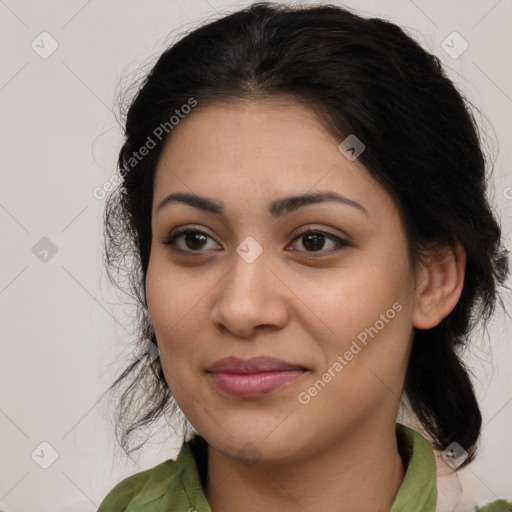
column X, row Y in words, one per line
column 441, row 282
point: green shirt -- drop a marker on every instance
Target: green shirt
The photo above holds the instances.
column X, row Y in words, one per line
column 175, row 485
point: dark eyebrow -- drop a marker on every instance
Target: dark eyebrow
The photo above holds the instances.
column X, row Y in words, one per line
column 277, row 208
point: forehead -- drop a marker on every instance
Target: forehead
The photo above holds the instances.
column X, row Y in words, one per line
column 233, row 131
column 249, row 151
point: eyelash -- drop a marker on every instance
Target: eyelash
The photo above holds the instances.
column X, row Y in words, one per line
column 169, row 241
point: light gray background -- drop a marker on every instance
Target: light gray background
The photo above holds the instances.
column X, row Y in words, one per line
column 64, row 331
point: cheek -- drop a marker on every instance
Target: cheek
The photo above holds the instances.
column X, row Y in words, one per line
column 173, row 305
column 355, row 299
column 366, row 315
column 172, row 294
column 174, row 320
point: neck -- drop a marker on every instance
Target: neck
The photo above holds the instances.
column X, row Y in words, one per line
column 362, row 472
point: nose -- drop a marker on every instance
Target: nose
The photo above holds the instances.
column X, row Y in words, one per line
column 251, row 296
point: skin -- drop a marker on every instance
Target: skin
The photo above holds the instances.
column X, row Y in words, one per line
column 305, row 306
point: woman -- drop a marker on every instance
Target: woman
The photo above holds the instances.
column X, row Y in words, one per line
column 303, row 196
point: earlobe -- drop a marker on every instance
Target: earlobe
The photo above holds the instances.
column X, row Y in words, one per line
column 441, row 286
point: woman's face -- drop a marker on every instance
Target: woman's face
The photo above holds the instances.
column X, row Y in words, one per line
column 337, row 306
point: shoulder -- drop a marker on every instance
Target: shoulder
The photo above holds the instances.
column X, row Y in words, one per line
column 496, row 506
column 140, row 487
column 146, row 488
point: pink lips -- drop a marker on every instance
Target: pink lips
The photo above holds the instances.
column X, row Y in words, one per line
column 253, row 377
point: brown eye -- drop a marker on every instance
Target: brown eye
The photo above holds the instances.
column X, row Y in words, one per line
column 193, row 240
column 315, row 241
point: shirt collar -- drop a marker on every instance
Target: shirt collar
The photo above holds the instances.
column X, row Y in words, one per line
column 418, row 490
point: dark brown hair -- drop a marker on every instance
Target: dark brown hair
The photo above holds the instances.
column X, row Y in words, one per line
column 361, row 76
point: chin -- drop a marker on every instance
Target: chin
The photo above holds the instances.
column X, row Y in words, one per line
column 251, row 444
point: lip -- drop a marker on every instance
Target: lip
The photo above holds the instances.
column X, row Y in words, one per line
column 252, row 365
column 254, row 377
